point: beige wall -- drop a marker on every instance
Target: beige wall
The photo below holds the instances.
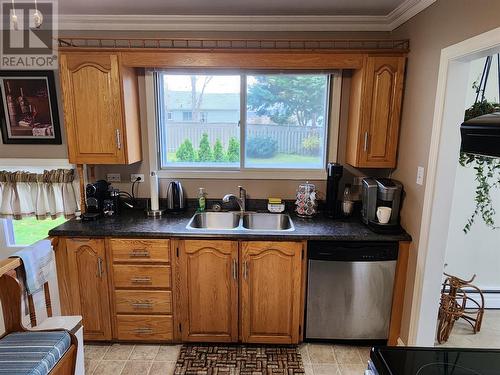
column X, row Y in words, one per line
column 445, row 23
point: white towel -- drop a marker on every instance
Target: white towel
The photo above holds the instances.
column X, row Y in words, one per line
column 38, row 264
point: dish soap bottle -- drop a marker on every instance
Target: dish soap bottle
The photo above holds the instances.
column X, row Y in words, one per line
column 202, row 201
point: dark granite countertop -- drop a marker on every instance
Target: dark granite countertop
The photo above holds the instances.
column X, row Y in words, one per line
column 135, row 224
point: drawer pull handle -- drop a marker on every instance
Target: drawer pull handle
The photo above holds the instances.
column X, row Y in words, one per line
column 139, row 253
column 144, row 331
column 140, row 280
column 142, row 305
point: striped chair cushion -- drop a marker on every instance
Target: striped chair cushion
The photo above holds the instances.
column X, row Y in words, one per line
column 32, row 353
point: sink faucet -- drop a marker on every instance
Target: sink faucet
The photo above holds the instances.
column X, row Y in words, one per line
column 241, row 200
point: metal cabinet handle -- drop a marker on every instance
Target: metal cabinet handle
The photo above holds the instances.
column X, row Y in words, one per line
column 142, row 305
column 245, row 270
column 99, row 267
column 144, row 331
column 235, row 269
column 118, row 139
column 366, row 142
column 140, row 280
column 139, row 253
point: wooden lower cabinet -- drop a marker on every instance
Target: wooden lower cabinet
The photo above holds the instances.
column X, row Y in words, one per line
column 209, row 290
column 88, row 286
column 270, row 292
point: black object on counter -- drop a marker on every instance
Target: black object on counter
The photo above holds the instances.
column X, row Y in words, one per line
column 334, row 174
column 433, row 361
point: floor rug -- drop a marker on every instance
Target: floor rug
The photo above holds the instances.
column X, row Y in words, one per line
column 204, row 359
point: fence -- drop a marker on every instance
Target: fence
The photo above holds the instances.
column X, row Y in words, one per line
column 289, row 137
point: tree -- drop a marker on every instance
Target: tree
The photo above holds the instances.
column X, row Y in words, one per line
column 197, row 98
column 289, row 98
column 233, row 150
column 185, row 152
column 204, row 152
column 218, row 150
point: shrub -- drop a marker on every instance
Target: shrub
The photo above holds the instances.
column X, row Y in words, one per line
column 218, row 151
column 185, row 151
column 233, row 150
column 262, row 147
column 312, row 145
column 205, row 152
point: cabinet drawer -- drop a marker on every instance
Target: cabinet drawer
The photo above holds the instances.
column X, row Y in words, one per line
column 129, row 276
column 144, row 327
column 143, row 301
column 136, row 251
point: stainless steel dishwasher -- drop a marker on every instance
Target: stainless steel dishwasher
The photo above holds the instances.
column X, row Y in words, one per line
column 349, row 290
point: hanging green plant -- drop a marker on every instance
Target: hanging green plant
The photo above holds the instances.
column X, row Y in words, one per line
column 487, row 173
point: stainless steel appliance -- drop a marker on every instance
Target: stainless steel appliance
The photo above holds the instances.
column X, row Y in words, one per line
column 334, row 173
column 349, row 291
column 175, row 197
column 433, row 361
column 381, row 192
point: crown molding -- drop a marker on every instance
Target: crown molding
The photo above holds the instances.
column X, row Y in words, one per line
column 244, row 23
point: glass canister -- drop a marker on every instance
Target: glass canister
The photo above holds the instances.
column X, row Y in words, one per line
column 306, row 204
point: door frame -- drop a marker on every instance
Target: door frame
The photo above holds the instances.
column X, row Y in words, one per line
column 443, row 158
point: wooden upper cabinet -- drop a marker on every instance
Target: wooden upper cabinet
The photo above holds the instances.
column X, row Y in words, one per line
column 88, row 286
column 374, row 112
column 270, row 294
column 101, row 109
column 209, row 290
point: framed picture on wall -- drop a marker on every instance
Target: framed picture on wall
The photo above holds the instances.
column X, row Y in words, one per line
column 28, row 109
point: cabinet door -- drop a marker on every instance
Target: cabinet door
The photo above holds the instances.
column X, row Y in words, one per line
column 89, row 286
column 92, row 108
column 383, row 96
column 209, row 290
column 270, row 292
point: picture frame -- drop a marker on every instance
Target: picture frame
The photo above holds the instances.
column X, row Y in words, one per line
column 29, row 112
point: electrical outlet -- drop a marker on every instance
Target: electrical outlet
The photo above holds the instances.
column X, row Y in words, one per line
column 420, row 175
column 113, row 177
column 135, row 176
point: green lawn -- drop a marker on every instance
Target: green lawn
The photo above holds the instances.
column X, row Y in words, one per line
column 277, row 160
column 29, row 230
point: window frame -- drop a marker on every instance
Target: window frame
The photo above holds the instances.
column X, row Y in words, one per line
column 153, row 97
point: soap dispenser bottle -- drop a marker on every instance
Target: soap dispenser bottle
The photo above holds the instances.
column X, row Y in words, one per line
column 202, row 202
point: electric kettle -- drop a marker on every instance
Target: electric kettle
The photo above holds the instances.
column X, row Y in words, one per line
column 175, row 197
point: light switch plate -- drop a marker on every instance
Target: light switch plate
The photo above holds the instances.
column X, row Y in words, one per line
column 420, row 175
column 133, row 177
column 113, row 177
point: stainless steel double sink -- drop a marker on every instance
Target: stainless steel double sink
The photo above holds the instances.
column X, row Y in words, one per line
column 252, row 221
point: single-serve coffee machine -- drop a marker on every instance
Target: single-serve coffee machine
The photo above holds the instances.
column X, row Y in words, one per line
column 381, row 203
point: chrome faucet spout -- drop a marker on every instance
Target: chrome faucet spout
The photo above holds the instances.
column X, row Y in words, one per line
column 241, row 200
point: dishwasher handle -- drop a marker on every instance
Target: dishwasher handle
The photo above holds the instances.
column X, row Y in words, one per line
column 353, row 251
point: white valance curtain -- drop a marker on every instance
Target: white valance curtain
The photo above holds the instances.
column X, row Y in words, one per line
column 48, row 194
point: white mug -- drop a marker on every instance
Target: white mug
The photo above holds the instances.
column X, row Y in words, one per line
column 384, row 214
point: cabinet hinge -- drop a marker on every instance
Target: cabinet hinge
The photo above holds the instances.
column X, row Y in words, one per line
column 180, row 327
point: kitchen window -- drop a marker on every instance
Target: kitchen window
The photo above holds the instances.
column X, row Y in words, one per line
column 259, row 122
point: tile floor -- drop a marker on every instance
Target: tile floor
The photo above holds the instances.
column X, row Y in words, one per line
column 124, row 359
column 489, row 336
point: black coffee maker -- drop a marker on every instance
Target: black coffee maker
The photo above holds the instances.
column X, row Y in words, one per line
column 100, row 200
column 334, row 174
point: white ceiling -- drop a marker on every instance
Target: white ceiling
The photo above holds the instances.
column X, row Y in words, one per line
column 238, row 15
column 230, row 7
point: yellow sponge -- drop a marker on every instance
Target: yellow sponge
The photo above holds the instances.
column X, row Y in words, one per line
column 274, row 200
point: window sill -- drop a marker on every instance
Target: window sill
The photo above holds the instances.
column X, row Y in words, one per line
column 249, row 174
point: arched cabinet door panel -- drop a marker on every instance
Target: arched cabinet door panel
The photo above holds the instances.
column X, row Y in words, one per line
column 209, row 290
column 89, row 286
column 270, row 292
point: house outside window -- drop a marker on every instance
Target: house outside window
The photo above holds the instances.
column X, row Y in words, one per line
column 257, row 121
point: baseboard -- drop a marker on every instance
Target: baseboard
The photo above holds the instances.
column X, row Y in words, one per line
column 491, row 297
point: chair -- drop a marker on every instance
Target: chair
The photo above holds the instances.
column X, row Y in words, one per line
column 23, row 350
